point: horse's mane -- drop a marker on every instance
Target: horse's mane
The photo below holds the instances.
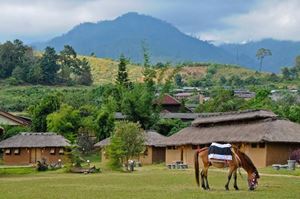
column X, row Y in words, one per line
column 246, row 161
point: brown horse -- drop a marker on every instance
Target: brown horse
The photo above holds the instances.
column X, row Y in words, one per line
column 239, row 159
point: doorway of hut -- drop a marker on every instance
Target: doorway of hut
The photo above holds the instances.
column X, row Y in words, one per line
column 158, row 154
column 35, row 155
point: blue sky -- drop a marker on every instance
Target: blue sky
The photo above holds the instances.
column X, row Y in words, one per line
column 216, row 20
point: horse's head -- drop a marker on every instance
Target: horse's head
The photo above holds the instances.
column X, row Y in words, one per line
column 250, row 168
column 252, row 180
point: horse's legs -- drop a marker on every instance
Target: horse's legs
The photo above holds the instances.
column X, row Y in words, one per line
column 235, row 180
column 229, row 177
column 205, row 176
column 202, row 180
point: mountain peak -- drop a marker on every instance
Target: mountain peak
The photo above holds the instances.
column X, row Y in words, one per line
column 125, row 35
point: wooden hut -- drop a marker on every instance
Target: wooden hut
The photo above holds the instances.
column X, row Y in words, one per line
column 170, row 104
column 154, row 152
column 266, row 138
column 13, row 120
column 28, row 148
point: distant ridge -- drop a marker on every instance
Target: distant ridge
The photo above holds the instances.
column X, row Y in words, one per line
column 126, row 33
column 283, row 53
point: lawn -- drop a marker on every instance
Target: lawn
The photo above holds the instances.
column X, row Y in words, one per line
column 148, row 182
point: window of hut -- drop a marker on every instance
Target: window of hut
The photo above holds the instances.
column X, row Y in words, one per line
column 172, row 147
column 61, row 151
column 202, row 145
column 195, row 147
column 52, row 151
column 17, row 151
column 7, row 151
column 262, row 145
column 254, row 145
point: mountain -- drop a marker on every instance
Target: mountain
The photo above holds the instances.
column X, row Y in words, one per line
column 283, row 53
column 127, row 33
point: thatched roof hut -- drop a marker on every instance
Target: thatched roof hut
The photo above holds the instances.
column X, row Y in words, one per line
column 10, row 119
column 152, row 138
column 246, row 126
column 35, row 140
column 261, row 134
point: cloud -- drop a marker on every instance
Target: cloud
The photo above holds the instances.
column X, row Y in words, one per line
column 42, row 18
column 33, row 20
column 217, row 20
column 270, row 19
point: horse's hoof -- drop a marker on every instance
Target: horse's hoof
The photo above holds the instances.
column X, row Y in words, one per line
column 236, row 188
column 226, row 188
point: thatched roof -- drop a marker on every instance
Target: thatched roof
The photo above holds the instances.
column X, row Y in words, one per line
column 103, row 143
column 167, row 115
column 182, row 116
column 168, row 100
column 234, row 130
column 16, row 119
column 152, row 139
column 228, row 117
column 31, row 140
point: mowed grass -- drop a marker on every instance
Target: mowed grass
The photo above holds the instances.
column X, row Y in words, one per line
column 148, row 182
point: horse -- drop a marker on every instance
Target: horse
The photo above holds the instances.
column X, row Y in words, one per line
column 239, row 159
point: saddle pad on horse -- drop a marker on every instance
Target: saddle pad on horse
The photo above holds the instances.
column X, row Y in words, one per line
column 220, row 152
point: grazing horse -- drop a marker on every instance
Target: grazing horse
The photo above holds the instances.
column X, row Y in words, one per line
column 239, row 159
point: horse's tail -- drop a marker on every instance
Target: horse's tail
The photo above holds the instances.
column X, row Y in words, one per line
column 196, row 164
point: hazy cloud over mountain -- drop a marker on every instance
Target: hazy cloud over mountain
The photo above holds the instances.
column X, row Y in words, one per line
column 220, row 20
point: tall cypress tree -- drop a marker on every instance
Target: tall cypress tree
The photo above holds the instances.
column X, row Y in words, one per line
column 122, row 78
column 49, row 66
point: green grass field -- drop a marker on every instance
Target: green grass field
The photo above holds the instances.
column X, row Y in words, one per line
column 148, row 182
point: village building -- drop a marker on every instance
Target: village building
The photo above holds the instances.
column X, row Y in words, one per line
column 154, row 152
column 245, row 94
column 183, row 96
column 185, row 117
column 28, row 148
column 13, row 120
column 170, row 104
column 8, row 119
column 262, row 135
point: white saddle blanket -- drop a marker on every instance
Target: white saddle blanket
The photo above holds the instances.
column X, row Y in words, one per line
column 220, row 151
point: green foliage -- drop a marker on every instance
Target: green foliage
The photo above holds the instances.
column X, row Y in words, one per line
column 115, row 153
column 84, row 140
column 168, row 127
column 74, row 156
column 137, row 106
column 148, row 72
column 17, row 61
column 127, row 142
column 122, row 77
column 15, row 58
column 261, row 101
column 222, row 101
column 39, row 113
column 178, row 80
column 64, row 121
column 261, row 54
column 105, row 119
column 85, row 76
column 48, row 66
column 12, row 130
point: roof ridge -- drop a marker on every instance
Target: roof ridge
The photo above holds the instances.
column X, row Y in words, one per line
column 229, row 113
column 37, row 133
